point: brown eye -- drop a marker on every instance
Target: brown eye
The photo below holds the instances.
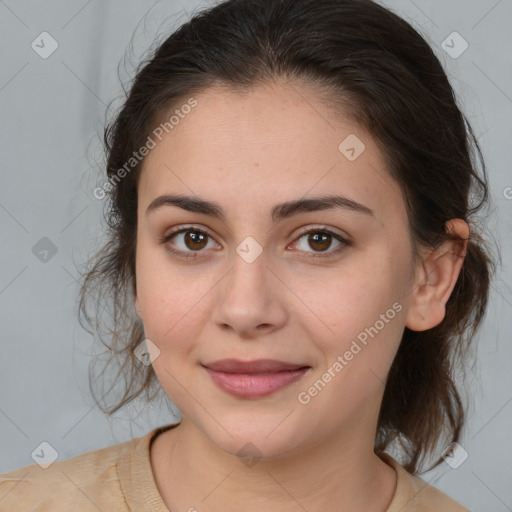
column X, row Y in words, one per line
column 195, row 240
column 321, row 240
column 187, row 242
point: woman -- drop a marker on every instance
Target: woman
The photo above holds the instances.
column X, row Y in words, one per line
column 292, row 250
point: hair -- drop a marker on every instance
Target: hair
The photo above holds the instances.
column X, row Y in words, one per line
column 374, row 67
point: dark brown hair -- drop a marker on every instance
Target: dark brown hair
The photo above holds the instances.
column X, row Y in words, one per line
column 376, row 68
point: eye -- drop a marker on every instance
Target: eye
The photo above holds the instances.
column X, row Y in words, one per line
column 191, row 240
column 321, row 240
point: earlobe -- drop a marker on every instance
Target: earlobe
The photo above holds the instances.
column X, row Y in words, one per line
column 438, row 275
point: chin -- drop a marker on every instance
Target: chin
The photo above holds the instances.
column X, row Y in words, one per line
column 255, row 440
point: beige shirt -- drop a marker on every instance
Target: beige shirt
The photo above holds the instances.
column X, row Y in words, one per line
column 119, row 478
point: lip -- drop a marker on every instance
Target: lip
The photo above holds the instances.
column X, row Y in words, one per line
column 254, row 379
column 254, row 366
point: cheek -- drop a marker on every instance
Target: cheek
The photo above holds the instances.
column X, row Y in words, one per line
column 357, row 357
column 344, row 301
column 169, row 294
column 172, row 318
column 356, row 315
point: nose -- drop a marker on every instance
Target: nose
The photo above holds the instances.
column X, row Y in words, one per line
column 250, row 301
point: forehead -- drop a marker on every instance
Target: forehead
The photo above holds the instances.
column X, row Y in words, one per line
column 270, row 142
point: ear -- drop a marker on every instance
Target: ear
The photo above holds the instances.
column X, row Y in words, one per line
column 436, row 278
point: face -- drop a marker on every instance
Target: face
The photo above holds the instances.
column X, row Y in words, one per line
column 324, row 288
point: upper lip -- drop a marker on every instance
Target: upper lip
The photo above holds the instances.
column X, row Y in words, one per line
column 254, row 366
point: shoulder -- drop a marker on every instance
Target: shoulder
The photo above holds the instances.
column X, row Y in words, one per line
column 85, row 482
column 430, row 498
column 413, row 494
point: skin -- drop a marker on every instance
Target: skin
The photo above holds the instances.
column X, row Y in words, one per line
column 248, row 152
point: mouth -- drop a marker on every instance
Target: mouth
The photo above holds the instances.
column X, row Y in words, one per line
column 254, row 379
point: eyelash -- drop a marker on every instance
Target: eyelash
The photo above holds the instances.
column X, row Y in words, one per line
column 194, row 255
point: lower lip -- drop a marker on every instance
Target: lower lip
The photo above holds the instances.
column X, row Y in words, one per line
column 254, row 385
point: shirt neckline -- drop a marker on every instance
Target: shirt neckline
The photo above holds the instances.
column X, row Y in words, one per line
column 136, row 475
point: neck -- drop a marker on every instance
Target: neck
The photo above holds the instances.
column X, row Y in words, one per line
column 339, row 474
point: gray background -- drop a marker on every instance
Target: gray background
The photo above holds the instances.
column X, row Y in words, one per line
column 52, row 113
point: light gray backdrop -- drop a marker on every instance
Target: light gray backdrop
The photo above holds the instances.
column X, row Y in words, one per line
column 52, row 113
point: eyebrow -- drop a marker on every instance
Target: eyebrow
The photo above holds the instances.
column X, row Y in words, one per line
column 280, row 211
